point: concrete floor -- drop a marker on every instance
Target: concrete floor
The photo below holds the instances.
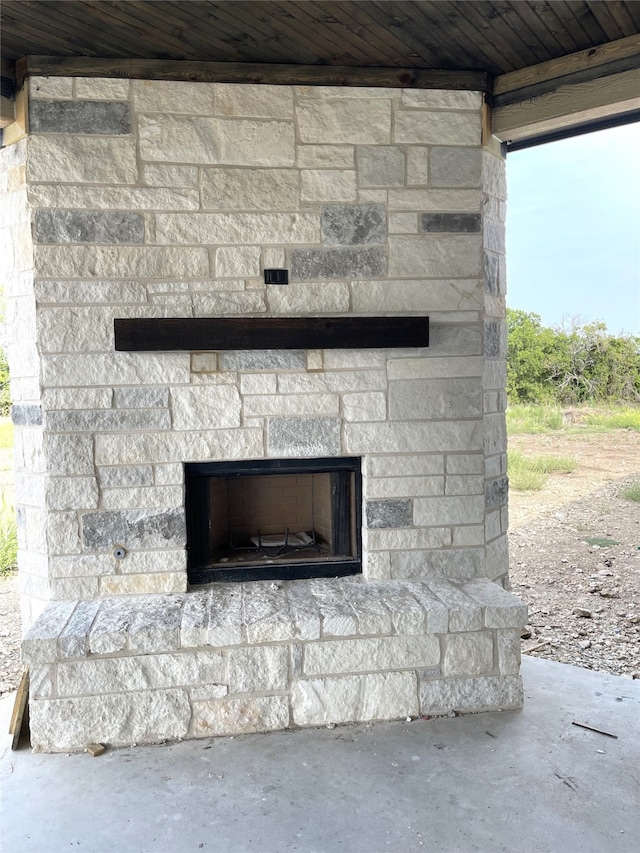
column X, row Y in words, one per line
column 515, row 781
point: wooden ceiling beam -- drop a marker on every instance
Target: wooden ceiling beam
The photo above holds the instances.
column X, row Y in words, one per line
column 244, row 72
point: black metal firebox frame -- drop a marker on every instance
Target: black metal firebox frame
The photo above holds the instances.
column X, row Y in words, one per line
column 196, row 474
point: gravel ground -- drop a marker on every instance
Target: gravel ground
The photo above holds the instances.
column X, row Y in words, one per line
column 584, row 599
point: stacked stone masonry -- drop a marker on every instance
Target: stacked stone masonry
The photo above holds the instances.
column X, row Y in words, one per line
column 138, row 199
column 254, row 657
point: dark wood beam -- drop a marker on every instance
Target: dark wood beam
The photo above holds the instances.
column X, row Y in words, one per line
column 242, row 72
column 259, row 333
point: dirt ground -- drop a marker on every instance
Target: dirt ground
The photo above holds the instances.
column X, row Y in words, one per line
column 584, row 599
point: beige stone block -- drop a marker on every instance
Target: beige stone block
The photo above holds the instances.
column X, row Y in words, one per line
column 327, row 297
column 435, row 200
column 347, row 359
column 74, row 589
column 67, row 493
column 52, row 88
column 231, row 142
column 435, row 368
column 117, row 198
column 237, row 261
column 435, row 255
column 237, row 228
column 250, row 189
column 326, row 157
column 418, row 166
column 140, row 672
column 418, row 399
column 403, row 223
column 170, row 175
column 257, row 101
column 464, row 484
column 468, row 654
column 417, row 295
column 141, row 448
column 413, row 437
column 409, row 538
column 258, row 669
column 401, row 487
column 236, row 716
column 102, row 89
column 205, row 408
column 365, row 406
column 370, row 655
column 441, row 99
column 258, row 383
column 148, row 716
column 385, row 696
column 151, row 497
column 469, row 535
column 168, row 96
column 376, row 565
column 234, row 302
column 465, row 463
column 121, row 262
column 487, row 693
column 63, row 534
column 509, row 655
column 437, row 511
column 115, row 369
column 437, row 128
column 147, row 562
column 290, row 405
column 359, row 121
column 158, row 582
column 82, row 159
column 328, row 185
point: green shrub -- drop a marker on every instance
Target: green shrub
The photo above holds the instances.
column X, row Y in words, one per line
column 8, row 538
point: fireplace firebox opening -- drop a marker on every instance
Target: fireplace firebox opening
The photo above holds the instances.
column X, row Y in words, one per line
column 273, row 519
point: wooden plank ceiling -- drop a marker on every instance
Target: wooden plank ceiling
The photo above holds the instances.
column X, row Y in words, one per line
column 494, row 37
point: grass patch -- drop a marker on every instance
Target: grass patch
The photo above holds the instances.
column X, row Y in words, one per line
column 529, row 473
column 528, row 419
column 632, row 491
column 6, row 433
column 8, row 537
column 601, row 541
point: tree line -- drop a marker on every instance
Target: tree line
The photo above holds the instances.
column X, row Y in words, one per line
column 571, row 364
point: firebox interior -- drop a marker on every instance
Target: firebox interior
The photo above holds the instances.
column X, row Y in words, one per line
column 273, row 519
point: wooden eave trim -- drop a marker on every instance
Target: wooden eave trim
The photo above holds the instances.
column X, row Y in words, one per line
column 241, row 72
column 581, row 67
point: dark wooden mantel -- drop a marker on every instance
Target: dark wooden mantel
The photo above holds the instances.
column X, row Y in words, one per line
column 260, row 333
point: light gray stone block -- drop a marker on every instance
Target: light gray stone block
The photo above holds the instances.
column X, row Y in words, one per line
column 225, row 623
column 155, row 626
column 447, row 562
column 380, row 166
column 126, row 476
column 263, row 360
column 226, row 141
column 501, row 608
column 26, row 414
column 509, row 654
column 236, row 716
column 359, row 121
column 74, row 638
column 456, row 167
column 336, row 263
column 90, row 226
column 108, row 420
column 371, row 654
column 140, row 398
column 352, row 225
column 303, row 437
column 40, row 643
column 489, row 693
column 134, row 529
column 79, row 117
column 338, row 617
column 384, row 696
column 146, row 716
column 465, row 613
column 305, row 609
column 435, row 399
column 258, row 669
column 69, row 455
column 468, row 654
column 373, row 616
column 435, row 256
column 389, row 513
column 437, row 223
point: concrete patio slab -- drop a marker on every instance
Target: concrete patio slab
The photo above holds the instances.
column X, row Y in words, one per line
column 527, row 781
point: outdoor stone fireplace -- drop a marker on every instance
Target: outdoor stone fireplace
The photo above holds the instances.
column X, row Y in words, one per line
column 218, row 539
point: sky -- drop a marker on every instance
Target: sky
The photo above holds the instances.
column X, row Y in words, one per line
column 573, row 229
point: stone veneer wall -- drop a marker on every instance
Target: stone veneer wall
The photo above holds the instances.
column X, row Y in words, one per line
column 153, row 199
